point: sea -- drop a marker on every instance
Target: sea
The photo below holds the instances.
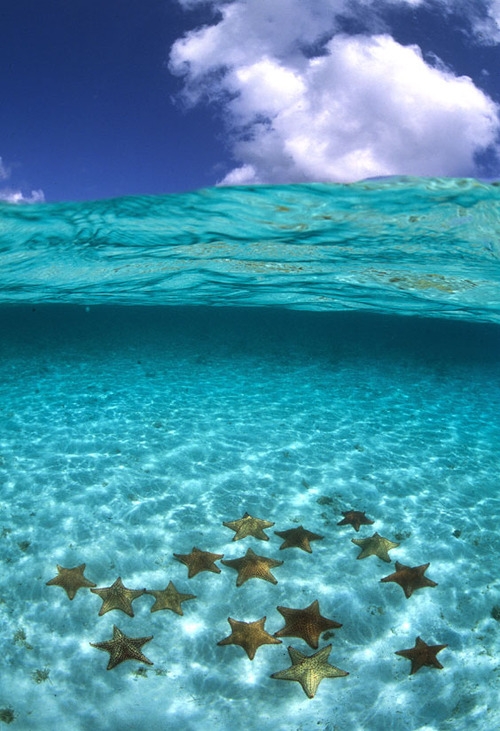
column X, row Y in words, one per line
column 169, row 364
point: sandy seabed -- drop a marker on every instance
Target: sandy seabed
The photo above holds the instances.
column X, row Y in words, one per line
column 130, row 435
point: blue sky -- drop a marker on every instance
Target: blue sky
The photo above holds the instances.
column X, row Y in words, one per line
column 101, row 98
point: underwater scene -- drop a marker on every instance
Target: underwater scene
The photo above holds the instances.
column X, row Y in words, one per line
column 249, row 460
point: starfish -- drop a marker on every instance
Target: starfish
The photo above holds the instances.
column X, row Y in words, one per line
column 410, row 578
column 71, row 579
column 117, row 596
column 198, row 561
column 422, row 654
column 306, row 623
column 249, row 526
column 252, row 566
column 355, row 518
column 309, row 670
column 375, row 546
column 122, row 648
column 298, row 538
column 169, row 598
column 249, row 635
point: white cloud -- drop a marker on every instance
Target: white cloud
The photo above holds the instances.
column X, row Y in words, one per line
column 487, row 27
column 480, row 17
column 16, row 196
column 370, row 107
column 4, row 170
column 250, row 30
column 304, row 102
column 10, row 195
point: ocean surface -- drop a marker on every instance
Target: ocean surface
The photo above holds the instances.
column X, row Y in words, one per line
column 169, row 364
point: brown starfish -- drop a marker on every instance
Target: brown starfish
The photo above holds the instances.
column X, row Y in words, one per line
column 252, row 566
column 249, row 635
column 410, row 578
column 169, row 598
column 422, row 654
column 355, row 518
column 117, row 596
column 71, row 579
column 309, row 670
column 198, row 561
column 123, row 648
column 249, row 526
column 298, row 538
column 376, row 545
column 306, row 623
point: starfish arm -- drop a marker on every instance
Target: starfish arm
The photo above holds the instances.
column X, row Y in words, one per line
column 436, row 662
column 361, row 542
column 310, row 681
column 425, row 581
column 247, row 573
column 429, row 582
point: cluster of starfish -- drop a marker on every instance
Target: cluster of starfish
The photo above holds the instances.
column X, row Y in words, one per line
column 409, row 578
column 307, row 624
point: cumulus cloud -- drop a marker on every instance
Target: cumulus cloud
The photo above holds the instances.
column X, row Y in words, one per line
column 304, row 101
column 17, row 196
column 10, row 195
column 370, row 107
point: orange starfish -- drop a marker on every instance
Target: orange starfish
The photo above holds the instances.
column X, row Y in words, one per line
column 198, row 561
column 297, row 538
column 169, row 598
column 252, row 566
column 306, row 623
column 249, row 526
column 71, row 579
column 355, row 518
column 376, row 545
column 410, row 578
column 122, row 648
column 309, row 670
column 117, row 596
column 422, row 654
column 249, row 635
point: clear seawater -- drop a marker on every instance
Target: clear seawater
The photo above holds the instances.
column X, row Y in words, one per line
column 170, row 363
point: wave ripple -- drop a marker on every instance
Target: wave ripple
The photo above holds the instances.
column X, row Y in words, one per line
column 427, row 246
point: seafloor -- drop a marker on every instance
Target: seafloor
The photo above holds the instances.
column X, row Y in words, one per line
column 128, row 435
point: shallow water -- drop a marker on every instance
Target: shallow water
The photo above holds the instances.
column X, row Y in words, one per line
column 426, row 246
column 130, row 434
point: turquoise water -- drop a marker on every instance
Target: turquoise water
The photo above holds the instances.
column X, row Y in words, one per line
column 402, row 246
column 130, row 433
